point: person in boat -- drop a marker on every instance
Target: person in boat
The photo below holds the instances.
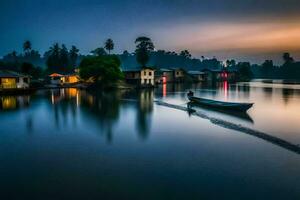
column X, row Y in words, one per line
column 190, row 94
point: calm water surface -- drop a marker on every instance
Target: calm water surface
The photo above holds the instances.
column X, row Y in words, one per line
column 70, row 144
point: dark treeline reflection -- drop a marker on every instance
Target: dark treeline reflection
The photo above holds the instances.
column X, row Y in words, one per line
column 143, row 102
column 102, row 108
column 108, row 114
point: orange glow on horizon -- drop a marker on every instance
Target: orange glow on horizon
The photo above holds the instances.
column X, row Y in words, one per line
column 237, row 37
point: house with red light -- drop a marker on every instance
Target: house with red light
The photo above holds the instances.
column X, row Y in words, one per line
column 170, row 75
column 220, row 75
column 164, row 76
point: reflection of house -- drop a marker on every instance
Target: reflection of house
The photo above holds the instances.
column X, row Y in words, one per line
column 60, row 79
column 140, row 77
column 164, row 76
column 220, row 75
column 13, row 102
column 12, row 80
column 197, row 76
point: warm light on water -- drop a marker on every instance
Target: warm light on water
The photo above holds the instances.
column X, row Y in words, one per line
column 122, row 144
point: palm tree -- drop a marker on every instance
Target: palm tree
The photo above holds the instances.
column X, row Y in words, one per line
column 109, row 45
column 27, row 47
column 144, row 45
column 73, row 53
column 287, row 58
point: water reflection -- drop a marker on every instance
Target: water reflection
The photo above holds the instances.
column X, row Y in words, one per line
column 144, row 108
column 80, row 136
column 14, row 102
column 103, row 108
column 275, row 104
column 287, row 93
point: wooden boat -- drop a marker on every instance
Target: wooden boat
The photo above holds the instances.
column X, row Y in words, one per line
column 241, row 107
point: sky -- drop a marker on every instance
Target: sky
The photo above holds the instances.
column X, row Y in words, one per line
column 245, row 30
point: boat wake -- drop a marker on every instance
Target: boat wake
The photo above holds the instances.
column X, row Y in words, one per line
column 237, row 127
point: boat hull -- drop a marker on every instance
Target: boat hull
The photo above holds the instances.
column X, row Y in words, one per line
column 241, row 107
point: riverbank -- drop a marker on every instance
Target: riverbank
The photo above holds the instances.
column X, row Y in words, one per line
column 82, row 86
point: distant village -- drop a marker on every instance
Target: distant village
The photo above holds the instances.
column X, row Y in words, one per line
column 67, row 68
column 142, row 77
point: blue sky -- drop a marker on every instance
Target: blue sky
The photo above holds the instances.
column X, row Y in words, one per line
column 245, row 30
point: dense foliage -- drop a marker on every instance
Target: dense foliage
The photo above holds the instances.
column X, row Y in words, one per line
column 144, row 46
column 103, row 69
column 99, row 52
column 244, row 71
column 59, row 59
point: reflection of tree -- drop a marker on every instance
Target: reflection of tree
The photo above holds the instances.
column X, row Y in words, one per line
column 64, row 101
column 268, row 91
column 245, row 89
column 286, row 94
column 145, row 108
column 105, row 107
column 29, row 124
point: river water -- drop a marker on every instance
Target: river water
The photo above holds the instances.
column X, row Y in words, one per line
column 71, row 144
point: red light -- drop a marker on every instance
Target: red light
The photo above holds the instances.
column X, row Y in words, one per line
column 225, row 88
column 164, row 90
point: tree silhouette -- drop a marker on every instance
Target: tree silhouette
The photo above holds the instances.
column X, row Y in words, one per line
column 144, row 45
column 64, row 57
column 185, row 54
column 99, row 52
column 267, row 68
column 109, row 45
column 287, row 58
column 244, row 70
column 73, row 54
column 27, row 47
column 53, row 58
column 230, row 63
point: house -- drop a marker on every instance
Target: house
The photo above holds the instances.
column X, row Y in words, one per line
column 140, row 76
column 164, row 76
column 61, row 79
column 13, row 80
column 220, row 75
column 55, row 78
column 169, row 75
column 178, row 74
column 70, row 79
column 197, row 76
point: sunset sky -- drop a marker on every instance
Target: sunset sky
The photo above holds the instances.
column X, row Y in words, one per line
column 252, row 30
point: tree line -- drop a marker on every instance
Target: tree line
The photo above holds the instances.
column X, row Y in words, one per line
column 63, row 60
